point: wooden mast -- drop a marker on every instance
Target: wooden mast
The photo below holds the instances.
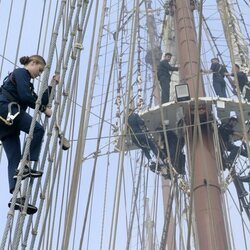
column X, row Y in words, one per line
column 207, row 205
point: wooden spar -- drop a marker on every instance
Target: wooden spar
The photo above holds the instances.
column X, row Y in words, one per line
column 207, row 205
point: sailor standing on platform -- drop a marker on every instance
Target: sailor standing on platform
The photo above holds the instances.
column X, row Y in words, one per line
column 219, row 72
column 164, row 77
column 16, row 95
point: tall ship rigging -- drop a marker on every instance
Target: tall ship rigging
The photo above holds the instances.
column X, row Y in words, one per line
column 100, row 189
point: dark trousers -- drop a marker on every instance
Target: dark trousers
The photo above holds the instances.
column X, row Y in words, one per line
column 146, row 144
column 234, row 151
column 12, row 146
column 165, row 89
column 175, row 150
column 220, row 87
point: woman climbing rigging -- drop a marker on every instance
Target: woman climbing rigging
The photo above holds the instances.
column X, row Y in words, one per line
column 16, row 95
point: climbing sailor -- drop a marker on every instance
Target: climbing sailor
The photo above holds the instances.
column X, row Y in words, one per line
column 140, row 138
column 241, row 76
column 227, row 132
column 16, row 95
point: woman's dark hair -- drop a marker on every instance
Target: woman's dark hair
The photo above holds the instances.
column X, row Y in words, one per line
column 24, row 60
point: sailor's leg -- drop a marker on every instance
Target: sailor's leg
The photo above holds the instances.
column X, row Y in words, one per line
column 223, row 89
column 243, row 152
column 165, row 85
column 141, row 142
column 153, row 147
column 219, row 88
column 241, row 191
column 35, row 146
column 233, row 152
column 12, row 147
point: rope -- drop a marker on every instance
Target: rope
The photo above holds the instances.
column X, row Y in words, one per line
column 20, row 224
column 20, row 33
column 134, row 200
column 230, row 45
column 6, row 36
column 79, row 7
column 167, row 221
column 29, row 138
column 116, row 204
column 39, row 182
column 78, row 162
column 105, row 188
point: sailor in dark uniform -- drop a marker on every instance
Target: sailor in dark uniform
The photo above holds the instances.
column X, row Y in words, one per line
column 226, row 132
column 219, row 72
column 176, row 145
column 241, row 76
column 17, row 94
column 140, row 138
column 164, row 76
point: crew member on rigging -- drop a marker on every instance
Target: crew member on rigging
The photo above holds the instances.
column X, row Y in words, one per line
column 16, row 95
column 164, row 76
column 242, row 81
column 176, row 145
column 219, row 72
column 140, row 138
column 227, row 132
column 241, row 76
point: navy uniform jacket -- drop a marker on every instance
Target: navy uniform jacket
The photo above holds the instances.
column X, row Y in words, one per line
column 18, row 88
column 218, row 71
column 226, row 131
column 164, row 68
column 21, row 90
column 135, row 122
column 242, row 79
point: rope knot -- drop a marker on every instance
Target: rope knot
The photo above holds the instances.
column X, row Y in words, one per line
column 78, row 46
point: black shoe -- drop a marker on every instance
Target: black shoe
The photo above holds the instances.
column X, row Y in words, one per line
column 247, row 206
column 19, row 205
column 28, row 172
column 228, row 164
column 243, row 194
column 245, row 178
column 152, row 166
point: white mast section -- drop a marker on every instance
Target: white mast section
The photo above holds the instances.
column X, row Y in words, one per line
column 233, row 32
column 168, row 39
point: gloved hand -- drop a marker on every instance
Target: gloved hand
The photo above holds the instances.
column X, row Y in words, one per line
column 48, row 112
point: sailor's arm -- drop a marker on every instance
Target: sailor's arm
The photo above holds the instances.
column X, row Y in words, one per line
column 237, row 135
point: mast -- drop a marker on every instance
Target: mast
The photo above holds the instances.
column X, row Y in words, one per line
column 207, row 205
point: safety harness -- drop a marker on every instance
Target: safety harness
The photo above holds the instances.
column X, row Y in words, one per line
column 10, row 116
